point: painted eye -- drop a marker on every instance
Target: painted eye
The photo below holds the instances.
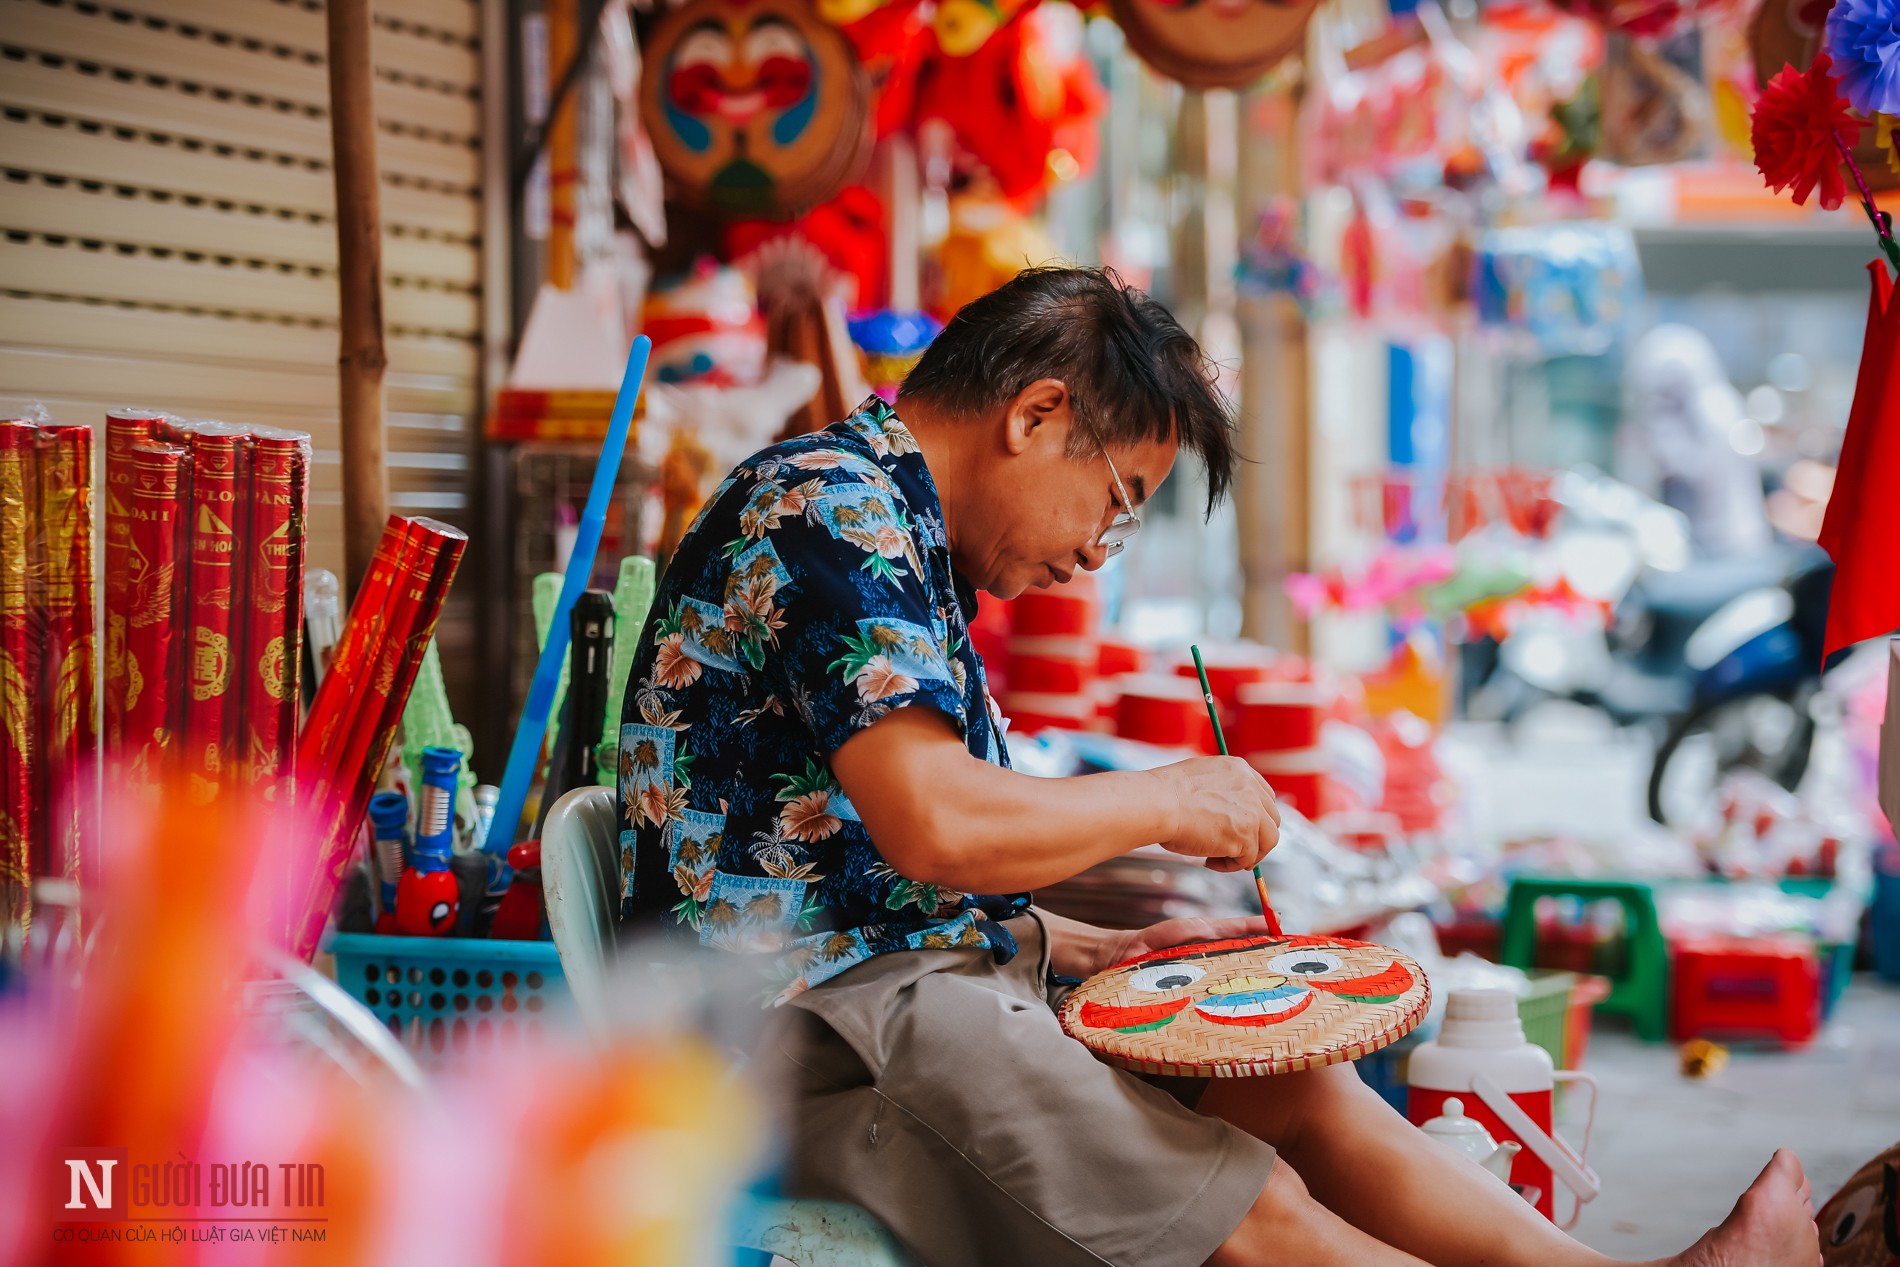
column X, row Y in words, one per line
column 704, row 45
column 1852, row 1217
column 772, row 38
column 1304, row 963
column 1158, row 978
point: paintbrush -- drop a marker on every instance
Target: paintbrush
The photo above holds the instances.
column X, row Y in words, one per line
column 1220, row 742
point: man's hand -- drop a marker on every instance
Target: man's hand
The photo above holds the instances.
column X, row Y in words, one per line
column 1120, row 947
column 1222, row 810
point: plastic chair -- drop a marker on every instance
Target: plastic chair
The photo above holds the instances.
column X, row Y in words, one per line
column 580, row 877
column 298, row 1005
column 1641, row 992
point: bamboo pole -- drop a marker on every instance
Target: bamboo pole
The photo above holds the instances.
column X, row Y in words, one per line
column 361, row 359
column 1273, row 494
column 563, row 148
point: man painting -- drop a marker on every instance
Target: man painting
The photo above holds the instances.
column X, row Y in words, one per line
column 812, row 771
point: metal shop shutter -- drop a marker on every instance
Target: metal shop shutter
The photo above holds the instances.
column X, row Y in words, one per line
column 166, row 232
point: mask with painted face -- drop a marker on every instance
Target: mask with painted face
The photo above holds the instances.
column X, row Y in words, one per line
column 1250, row 1005
column 755, row 107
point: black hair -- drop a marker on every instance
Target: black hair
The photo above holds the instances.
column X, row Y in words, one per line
column 1132, row 372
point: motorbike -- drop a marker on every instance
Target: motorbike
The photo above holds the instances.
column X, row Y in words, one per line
column 1755, row 678
column 1720, row 659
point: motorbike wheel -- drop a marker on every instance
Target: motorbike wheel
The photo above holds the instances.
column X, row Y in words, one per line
column 1772, row 733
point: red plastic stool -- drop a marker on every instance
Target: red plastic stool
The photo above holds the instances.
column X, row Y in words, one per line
column 1758, row 987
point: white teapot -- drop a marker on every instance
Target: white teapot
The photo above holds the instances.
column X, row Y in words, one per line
column 1466, row 1135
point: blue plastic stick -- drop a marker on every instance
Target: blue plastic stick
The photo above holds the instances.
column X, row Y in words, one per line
column 525, row 755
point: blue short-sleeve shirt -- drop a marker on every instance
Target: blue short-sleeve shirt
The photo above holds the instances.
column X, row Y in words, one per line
column 813, row 595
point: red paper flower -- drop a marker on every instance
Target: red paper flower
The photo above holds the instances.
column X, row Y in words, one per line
column 1793, row 130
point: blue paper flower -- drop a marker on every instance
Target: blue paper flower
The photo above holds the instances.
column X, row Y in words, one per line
column 1863, row 37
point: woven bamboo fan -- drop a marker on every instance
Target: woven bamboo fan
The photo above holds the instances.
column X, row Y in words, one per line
column 1213, row 43
column 1248, row 1007
column 755, row 107
column 1860, row 1224
column 1788, row 33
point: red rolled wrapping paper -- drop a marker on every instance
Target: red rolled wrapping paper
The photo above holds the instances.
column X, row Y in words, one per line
column 274, row 612
column 153, row 588
column 333, row 711
column 217, row 516
column 353, row 718
column 19, row 664
column 69, row 781
column 432, row 552
column 125, row 428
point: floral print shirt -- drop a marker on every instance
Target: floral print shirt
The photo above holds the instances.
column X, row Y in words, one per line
column 813, row 595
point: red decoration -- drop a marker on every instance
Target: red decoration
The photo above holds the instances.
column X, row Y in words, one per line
column 848, row 231
column 1801, row 123
column 1862, row 529
column 891, row 43
column 1017, row 106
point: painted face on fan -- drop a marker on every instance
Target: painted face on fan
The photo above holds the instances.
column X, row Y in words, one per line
column 1252, row 982
column 1860, row 1224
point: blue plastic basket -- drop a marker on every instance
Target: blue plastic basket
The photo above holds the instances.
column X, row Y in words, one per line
column 451, row 994
column 1384, row 1072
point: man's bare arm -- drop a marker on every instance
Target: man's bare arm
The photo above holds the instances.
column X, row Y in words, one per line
column 941, row 816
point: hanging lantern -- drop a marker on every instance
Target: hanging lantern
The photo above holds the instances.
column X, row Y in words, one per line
column 1213, row 43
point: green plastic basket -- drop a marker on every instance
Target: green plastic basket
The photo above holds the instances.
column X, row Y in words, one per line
column 444, row 995
column 1545, row 1011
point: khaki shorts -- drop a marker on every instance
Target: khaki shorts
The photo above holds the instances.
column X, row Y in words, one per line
column 936, row 1089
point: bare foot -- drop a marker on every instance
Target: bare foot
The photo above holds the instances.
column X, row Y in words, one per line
column 1772, row 1225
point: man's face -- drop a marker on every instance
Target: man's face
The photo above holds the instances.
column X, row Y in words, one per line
column 1038, row 512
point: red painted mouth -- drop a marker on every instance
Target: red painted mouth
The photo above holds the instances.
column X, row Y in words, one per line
column 1257, row 1022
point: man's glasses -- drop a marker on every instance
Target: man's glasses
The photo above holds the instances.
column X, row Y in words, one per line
column 1124, row 525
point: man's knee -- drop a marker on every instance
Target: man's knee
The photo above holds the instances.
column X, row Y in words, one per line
column 1281, row 1216
column 1315, row 1098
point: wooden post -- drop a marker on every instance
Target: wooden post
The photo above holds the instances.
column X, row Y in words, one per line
column 1273, row 494
column 563, row 147
column 361, row 360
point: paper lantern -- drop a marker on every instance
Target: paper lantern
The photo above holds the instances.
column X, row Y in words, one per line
column 1213, row 43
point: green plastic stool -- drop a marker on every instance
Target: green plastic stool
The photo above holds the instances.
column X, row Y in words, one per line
column 1641, row 992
